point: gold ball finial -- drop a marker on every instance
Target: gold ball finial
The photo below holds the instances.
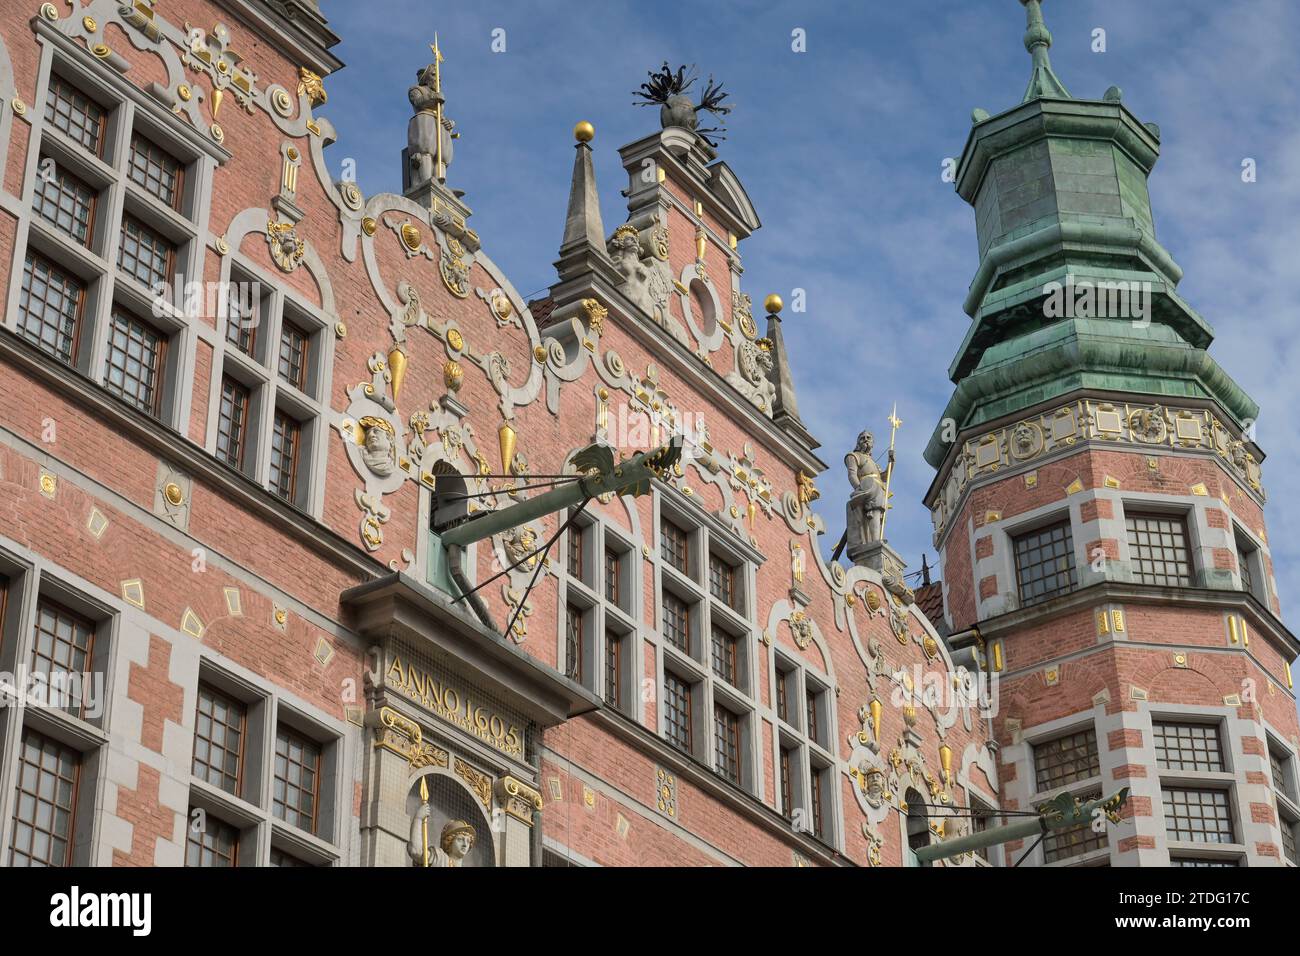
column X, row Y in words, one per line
column 773, row 304
column 584, row 132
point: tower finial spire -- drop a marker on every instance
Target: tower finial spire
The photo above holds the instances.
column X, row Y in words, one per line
column 1038, row 40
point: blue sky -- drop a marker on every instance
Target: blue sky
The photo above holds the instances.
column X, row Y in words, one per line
column 841, row 150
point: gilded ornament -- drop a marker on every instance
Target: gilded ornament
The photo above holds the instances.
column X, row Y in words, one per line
column 90, row 24
column 455, row 340
column 310, row 85
column 172, row 492
column 19, row 107
column 411, row 236
column 340, row 329
column 368, row 226
column 506, row 438
column 217, row 97
column 584, row 132
column 539, row 353
column 397, row 366
column 351, row 195
column 286, row 248
column 100, row 50
column 773, row 304
column 49, row 484
column 452, row 375
column 454, row 269
column 596, row 314
column 184, row 92
column 501, row 307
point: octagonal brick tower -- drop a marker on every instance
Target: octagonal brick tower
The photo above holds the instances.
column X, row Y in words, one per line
column 1099, row 506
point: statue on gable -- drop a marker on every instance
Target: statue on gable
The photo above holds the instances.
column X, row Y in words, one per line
column 429, row 132
column 868, row 500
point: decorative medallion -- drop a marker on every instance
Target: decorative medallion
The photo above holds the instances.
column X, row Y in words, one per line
column 286, row 248
column 368, row 226
column 281, row 102
column 19, row 107
column 218, row 133
column 411, row 236
column 49, row 12
column 455, row 340
column 454, row 269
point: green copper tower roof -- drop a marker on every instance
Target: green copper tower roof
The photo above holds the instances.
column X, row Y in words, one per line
column 1073, row 290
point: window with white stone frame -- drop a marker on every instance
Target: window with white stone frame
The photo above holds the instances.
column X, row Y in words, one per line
column 53, row 754
column 265, row 779
column 1250, row 567
column 1069, row 762
column 601, row 591
column 802, row 705
column 1282, row 767
column 706, row 638
column 270, row 385
column 1197, row 790
column 117, row 204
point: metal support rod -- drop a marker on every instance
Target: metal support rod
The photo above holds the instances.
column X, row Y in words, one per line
column 1060, row 813
column 602, row 476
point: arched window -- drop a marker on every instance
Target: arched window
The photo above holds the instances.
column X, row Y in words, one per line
column 450, row 504
column 918, row 822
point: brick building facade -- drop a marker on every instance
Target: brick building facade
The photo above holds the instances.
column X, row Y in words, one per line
column 238, row 397
column 244, row 403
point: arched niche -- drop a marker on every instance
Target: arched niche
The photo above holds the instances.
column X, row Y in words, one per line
column 450, row 800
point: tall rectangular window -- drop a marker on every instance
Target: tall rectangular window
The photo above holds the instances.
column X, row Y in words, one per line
column 722, row 581
column 725, row 654
column 232, row 423
column 216, row 844
column 1158, row 550
column 1198, row 816
column 816, row 797
column 134, row 361
column 1065, row 760
column 1187, row 746
column 613, row 669
column 1280, row 765
column 297, row 780
column 1245, row 561
column 244, row 314
column 144, row 254
column 50, row 307
column 65, row 202
column 677, row 711
column 787, row 783
column 286, row 437
column 726, row 742
column 45, row 801
column 575, row 641
column 613, row 570
column 219, row 740
column 814, row 725
column 61, row 649
column 293, row 356
column 72, row 112
column 677, row 622
column 155, row 170
column 783, row 695
column 674, row 545
column 576, row 535
column 1044, row 563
